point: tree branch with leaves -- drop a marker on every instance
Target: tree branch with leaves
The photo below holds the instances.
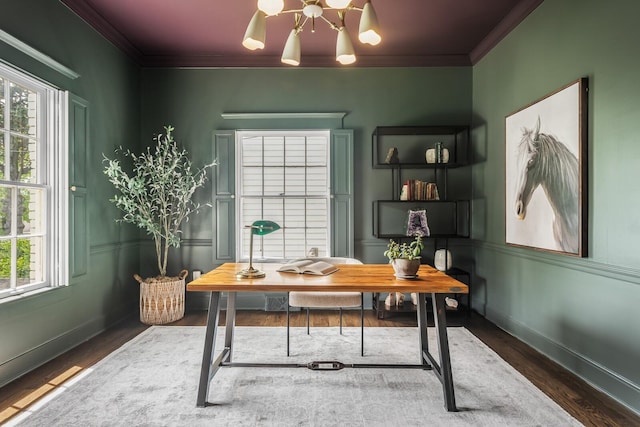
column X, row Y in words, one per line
column 156, row 194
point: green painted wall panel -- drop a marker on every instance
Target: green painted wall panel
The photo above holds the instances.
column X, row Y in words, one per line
column 223, row 226
column 36, row 328
column 581, row 312
column 342, row 196
column 78, row 159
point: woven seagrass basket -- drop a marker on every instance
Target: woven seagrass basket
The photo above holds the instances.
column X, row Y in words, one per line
column 162, row 299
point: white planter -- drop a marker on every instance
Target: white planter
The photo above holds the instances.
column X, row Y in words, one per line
column 443, row 260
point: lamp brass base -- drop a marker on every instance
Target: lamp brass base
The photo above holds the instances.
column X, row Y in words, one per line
column 250, row 273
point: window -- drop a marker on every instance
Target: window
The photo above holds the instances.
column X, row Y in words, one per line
column 32, row 177
column 283, row 176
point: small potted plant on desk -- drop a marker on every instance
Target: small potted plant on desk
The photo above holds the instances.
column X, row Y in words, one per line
column 156, row 195
column 405, row 259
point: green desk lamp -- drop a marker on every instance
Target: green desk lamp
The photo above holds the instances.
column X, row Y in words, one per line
column 260, row 227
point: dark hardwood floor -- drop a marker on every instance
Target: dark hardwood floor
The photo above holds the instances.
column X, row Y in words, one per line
column 586, row 404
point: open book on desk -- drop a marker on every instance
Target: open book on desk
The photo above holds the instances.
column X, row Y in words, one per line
column 309, row 266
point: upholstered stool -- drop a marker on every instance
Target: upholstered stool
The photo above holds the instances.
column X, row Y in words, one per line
column 329, row 300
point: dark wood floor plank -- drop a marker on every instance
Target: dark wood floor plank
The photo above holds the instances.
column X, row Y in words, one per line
column 586, row 404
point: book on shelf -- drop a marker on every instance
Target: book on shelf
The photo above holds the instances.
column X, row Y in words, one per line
column 413, row 189
column 308, row 266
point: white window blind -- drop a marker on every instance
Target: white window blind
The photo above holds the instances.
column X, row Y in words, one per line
column 283, row 176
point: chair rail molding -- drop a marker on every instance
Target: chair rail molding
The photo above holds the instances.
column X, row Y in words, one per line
column 585, row 265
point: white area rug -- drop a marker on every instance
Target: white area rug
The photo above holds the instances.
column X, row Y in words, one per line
column 152, row 381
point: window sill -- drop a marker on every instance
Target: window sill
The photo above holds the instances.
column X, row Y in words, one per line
column 27, row 294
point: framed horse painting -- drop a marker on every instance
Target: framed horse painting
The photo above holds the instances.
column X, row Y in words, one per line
column 546, row 172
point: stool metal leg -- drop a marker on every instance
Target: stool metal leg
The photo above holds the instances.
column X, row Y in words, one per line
column 307, row 320
column 288, row 320
column 361, row 325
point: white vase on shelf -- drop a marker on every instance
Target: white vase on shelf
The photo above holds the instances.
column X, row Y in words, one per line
column 432, row 157
column 443, row 260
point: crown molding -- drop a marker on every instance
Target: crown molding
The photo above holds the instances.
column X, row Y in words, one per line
column 37, row 55
column 511, row 21
column 96, row 21
column 262, row 61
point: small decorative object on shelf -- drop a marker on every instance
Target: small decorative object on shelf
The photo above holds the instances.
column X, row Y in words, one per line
column 404, row 194
column 392, row 156
column 405, row 257
column 390, row 300
column 443, row 260
column 394, row 299
column 431, row 155
column 451, row 302
column 417, row 223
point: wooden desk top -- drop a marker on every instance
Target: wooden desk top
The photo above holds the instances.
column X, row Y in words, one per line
column 349, row 278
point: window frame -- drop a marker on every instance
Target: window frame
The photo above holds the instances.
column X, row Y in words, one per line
column 240, row 197
column 52, row 177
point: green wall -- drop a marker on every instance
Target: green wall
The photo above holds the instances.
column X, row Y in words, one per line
column 583, row 313
column 34, row 329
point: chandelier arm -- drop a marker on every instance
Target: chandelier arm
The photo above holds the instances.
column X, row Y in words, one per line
column 331, row 24
column 306, row 18
column 288, row 11
column 335, row 9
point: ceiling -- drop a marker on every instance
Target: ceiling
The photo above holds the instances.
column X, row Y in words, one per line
column 208, row 33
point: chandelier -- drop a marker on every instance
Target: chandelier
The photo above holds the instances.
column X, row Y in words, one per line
column 312, row 10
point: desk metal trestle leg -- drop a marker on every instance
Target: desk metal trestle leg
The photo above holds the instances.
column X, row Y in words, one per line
column 209, row 365
column 441, row 368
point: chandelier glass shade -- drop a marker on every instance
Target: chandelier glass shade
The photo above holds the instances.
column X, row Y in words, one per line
column 312, row 10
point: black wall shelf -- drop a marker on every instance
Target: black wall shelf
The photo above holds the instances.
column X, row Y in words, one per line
column 447, row 218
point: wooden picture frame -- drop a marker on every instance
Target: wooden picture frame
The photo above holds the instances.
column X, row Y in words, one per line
column 546, row 172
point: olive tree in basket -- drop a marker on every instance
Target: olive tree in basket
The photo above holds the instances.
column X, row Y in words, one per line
column 156, row 195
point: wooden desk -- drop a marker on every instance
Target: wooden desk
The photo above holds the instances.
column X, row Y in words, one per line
column 349, row 278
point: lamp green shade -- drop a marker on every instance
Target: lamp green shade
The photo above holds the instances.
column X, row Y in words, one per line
column 259, row 227
column 262, row 227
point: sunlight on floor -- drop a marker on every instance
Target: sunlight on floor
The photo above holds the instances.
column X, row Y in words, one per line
column 22, row 408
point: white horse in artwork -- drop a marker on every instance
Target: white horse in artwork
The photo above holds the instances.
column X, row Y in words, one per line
column 547, row 162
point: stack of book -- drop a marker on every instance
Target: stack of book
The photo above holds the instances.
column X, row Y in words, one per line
column 413, row 189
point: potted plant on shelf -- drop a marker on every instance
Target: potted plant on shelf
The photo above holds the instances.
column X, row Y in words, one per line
column 156, row 195
column 405, row 257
